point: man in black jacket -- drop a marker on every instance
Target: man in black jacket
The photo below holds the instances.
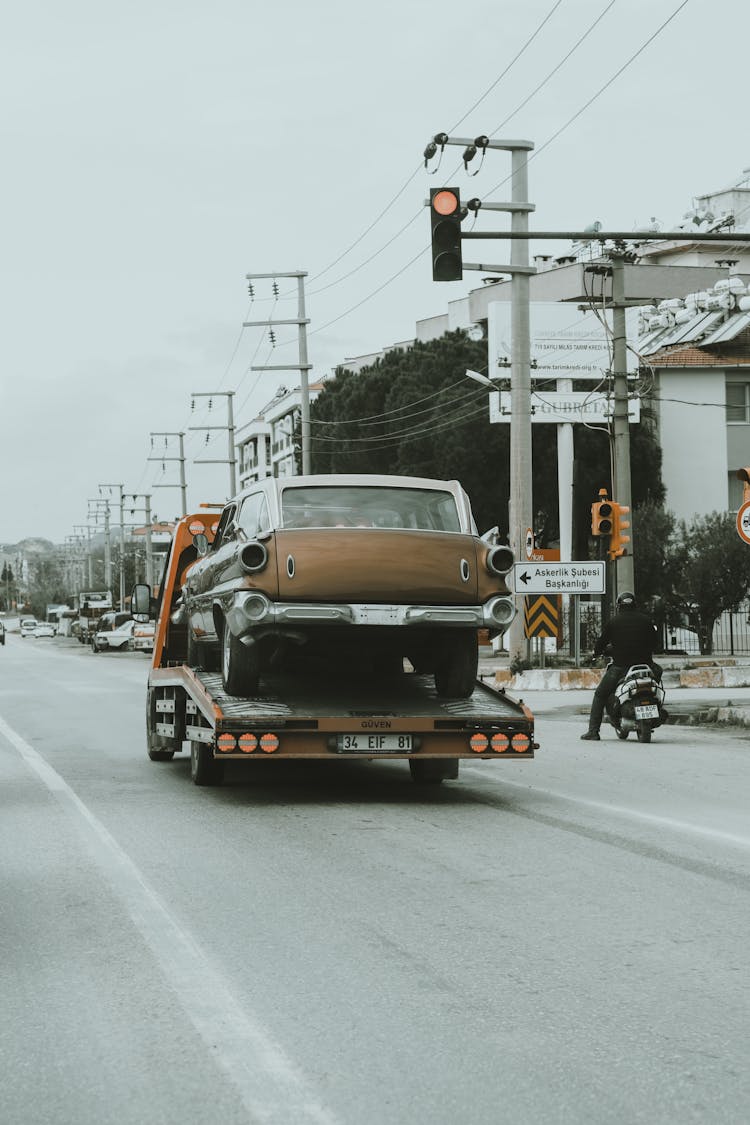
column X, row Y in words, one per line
column 631, row 638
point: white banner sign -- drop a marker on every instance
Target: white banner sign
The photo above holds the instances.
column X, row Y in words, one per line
column 568, row 406
column 558, row 578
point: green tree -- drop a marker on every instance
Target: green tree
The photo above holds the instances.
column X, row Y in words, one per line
column 46, row 585
column 710, row 568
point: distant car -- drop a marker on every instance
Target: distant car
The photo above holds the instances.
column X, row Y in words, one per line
column 44, row 629
column 28, row 626
column 118, row 639
column 357, row 571
column 143, row 636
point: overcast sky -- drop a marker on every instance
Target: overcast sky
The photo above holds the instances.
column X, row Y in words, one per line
column 156, row 151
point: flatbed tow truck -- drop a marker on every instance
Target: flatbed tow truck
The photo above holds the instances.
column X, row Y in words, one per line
column 309, row 716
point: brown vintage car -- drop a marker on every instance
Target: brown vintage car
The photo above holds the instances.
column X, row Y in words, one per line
column 348, row 571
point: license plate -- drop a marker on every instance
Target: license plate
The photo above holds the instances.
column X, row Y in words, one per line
column 373, row 743
column 649, row 711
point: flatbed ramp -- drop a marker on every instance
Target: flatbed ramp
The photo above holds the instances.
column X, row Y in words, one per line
column 313, row 717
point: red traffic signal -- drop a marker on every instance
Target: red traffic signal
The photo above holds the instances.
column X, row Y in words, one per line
column 445, row 224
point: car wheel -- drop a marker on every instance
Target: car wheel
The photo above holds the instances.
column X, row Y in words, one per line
column 239, row 664
column 457, row 665
column 204, row 769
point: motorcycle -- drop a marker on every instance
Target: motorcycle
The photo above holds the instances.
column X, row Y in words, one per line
column 637, row 703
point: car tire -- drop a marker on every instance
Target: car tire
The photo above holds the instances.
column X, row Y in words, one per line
column 457, row 665
column 240, row 670
column 204, row 769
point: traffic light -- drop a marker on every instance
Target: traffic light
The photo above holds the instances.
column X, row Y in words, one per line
column 601, row 515
column 618, row 541
column 744, row 476
column 445, row 221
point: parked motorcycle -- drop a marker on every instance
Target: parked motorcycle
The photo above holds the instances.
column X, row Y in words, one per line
column 637, row 703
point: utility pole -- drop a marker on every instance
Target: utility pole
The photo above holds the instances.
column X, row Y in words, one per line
column 623, row 568
column 122, row 540
column 98, row 502
column 82, row 528
column 231, row 458
column 146, row 497
column 304, row 367
column 183, row 487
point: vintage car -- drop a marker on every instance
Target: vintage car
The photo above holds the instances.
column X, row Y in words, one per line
column 349, row 571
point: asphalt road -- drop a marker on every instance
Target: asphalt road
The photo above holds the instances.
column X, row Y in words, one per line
column 563, row 940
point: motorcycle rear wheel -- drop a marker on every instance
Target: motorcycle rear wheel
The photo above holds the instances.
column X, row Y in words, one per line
column 643, row 730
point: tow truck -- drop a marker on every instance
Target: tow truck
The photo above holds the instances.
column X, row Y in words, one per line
column 307, row 716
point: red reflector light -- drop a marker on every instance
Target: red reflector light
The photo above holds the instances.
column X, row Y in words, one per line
column 500, row 743
column 520, row 742
column 226, row 743
column 195, row 527
column 247, row 743
column 479, row 743
column 269, row 743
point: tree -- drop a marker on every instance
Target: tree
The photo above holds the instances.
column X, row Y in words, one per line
column 710, row 568
column 46, row 585
column 413, row 413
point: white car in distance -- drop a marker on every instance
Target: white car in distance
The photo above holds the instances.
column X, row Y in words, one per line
column 118, row 639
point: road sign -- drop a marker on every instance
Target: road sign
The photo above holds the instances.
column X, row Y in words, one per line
column 541, row 616
column 743, row 522
column 559, row 577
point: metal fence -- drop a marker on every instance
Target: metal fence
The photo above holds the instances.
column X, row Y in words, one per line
column 731, row 635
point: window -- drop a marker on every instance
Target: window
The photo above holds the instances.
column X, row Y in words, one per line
column 738, row 402
column 367, row 506
column 254, row 515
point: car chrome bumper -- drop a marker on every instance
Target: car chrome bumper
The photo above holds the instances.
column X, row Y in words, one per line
column 252, row 609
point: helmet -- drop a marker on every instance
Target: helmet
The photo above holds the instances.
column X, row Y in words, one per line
column 626, row 600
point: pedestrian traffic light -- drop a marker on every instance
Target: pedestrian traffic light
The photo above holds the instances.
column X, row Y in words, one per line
column 618, row 541
column 601, row 515
column 445, row 221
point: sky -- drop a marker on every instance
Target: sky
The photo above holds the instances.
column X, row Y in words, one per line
column 156, row 152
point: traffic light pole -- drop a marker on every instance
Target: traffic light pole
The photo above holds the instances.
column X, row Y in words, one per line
column 623, row 568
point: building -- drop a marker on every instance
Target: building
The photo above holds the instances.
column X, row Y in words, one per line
column 266, row 445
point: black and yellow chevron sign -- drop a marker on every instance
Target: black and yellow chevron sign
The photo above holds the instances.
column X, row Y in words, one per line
column 541, row 616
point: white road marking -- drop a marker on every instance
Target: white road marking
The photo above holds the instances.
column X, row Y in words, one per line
column 271, row 1088
column 622, row 810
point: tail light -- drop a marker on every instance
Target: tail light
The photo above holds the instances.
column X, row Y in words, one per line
column 500, row 742
column 500, row 560
column 269, row 743
column 479, row 742
column 253, row 557
column 247, row 743
column 520, row 742
column 226, row 743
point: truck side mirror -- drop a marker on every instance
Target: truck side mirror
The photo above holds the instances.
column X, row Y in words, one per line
column 200, row 542
column 141, row 602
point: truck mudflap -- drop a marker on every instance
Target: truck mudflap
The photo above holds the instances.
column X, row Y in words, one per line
column 406, row 720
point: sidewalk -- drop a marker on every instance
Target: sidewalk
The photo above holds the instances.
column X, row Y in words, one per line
column 699, row 689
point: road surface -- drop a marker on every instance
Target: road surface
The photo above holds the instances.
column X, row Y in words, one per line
column 563, row 940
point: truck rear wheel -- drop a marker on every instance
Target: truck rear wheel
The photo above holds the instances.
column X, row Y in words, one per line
column 240, row 671
column 204, row 769
column 457, row 664
column 432, row 771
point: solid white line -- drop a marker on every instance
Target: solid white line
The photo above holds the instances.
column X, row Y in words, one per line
column 271, row 1088
column 621, row 810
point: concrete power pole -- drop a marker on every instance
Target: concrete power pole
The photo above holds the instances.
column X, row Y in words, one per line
column 304, row 367
column 231, row 458
column 621, row 486
column 182, row 486
column 122, row 540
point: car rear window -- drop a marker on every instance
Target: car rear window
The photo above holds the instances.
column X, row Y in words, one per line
column 419, row 509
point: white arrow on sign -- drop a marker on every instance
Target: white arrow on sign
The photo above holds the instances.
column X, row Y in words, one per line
column 559, row 578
